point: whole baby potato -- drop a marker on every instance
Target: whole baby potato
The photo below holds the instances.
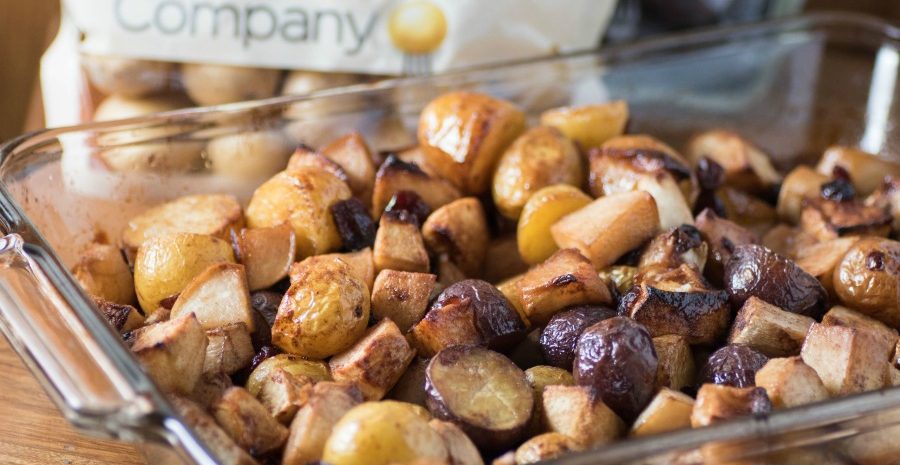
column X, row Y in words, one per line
column 301, row 197
column 542, row 156
column 733, row 365
column 589, row 125
column 252, row 155
column 868, row 279
column 166, row 263
column 559, row 337
column 209, row 84
column 382, row 433
column 128, row 77
column 324, row 312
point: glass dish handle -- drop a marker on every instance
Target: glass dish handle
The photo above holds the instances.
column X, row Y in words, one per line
column 78, row 361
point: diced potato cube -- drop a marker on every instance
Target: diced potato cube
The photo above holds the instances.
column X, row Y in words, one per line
column 577, row 412
column 375, row 362
column 847, row 359
column 229, row 349
column 172, row 352
column 218, row 296
column 789, row 382
column 215, row 438
column 399, row 246
column 769, row 329
column 668, row 411
column 402, row 296
column 313, row 424
column 459, row 229
column 102, row 272
column 675, row 369
column 248, row 422
column 283, row 393
column 717, row 402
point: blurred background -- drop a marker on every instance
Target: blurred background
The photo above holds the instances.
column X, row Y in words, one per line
column 27, row 27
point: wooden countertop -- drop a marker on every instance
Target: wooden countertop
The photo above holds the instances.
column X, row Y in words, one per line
column 32, row 431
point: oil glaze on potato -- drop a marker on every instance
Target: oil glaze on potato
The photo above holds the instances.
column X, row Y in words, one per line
column 463, row 382
column 542, row 156
column 733, row 365
column 617, row 357
column 542, row 210
column 559, row 337
column 324, row 312
column 496, row 320
column 868, row 279
column 589, row 125
column 463, row 135
column 700, row 315
column 754, row 270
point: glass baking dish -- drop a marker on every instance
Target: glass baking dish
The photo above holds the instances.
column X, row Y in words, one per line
column 793, row 86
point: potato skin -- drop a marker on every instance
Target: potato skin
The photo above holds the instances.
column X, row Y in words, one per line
column 542, row 210
column 382, row 433
column 303, row 198
column 324, row 312
column 542, row 156
column 497, row 322
column 589, row 125
column 559, row 337
column 733, row 365
column 868, row 279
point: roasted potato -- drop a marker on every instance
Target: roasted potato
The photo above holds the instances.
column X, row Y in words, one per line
column 539, row 377
column 716, row 403
column 395, row 176
column 542, row 156
column 868, row 279
column 866, row 170
column 215, row 438
column 786, row 240
column 313, row 370
column 402, row 296
column 579, row 413
column 721, row 236
column 301, row 198
column 617, row 358
column 229, row 349
column 361, row 262
column 102, row 272
column 559, row 336
column 459, row 229
column 410, row 387
column 502, row 260
column 313, row 425
column 746, row 166
column 305, row 156
column 545, row 446
column 461, row 449
column 847, row 359
column 789, row 382
column 463, row 382
column 668, row 411
column 463, row 135
column 352, row 154
column 172, row 353
column 827, row 219
column 266, row 253
column 248, row 422
column 674, row 247
column 800, row 184
column 208, row 84
column 283, row 393
column 399, row 245
column 382, row 433
column 324, row 312
column 843, row 316
column 376, row 362
column 166, row 264
column 589, row 125
column 769, row 329
column 209, row 389
column 252, row 155
column 820, row 260
column 746, row 210
column 215, row 215
column 676, row 369
column 542, row 210
column 732, row 365
column 123, row 318
column 608, row 227
column 218, row 296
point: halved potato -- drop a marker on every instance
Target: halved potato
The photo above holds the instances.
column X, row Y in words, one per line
column 800, row 184
column 211, row 214
column 589, row 125
column 218, row 296
column 868, row 279
column 542, row 210
column 266, row 253
column 166, row 264
column 102, row 272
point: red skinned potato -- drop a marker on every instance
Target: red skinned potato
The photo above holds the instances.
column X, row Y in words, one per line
column 464, row 382
column 617, row 358
column 559, row 337
column 733, row 365
column 721, row 236
column 754, row 270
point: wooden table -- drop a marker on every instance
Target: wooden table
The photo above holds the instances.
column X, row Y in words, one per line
column 32, row 431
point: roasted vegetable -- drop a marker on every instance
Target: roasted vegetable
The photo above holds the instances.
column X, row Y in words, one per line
column 539, row 214
column 375, row 362
column 266, row 253
column 769, row 329
column 716, row 403
column 395, row 177
column 402, row 296
column 866, row 170
column 102, row 272
column 218, row 296
column 721, row 236
column 668, row 411
column 732, row 365
column 312, row 427
column 559, row 337
column 399, row 245
column 589, row 125
column 545, row 446
column 746, row 166
column 789, row 382
column 172, row 353
column 868, row 279
column 459, row 229
column 676, row 369
column 248, row 422
column 579, row 413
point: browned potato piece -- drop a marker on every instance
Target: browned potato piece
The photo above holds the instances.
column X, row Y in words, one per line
column 218, row 296
column 847, row 359
column 172, row 353
column 545, row 447
column 209, row 389
column 302, row 198
column 211, row 214
column 539, row 377
column 721, row 236
column 542, row 156
column 463, row 382
column 800, row 184
column 353, row 155
column 589, row 125
column 399, row 245
column 502, row 260
column 716, row 403
column 362, row 265
column 122, row 317
column 619, row 276
column 579, row 413
column 323, row 313
column 608, row 227
column 843, row 316
column 283, row 393
column 312, row 426
column 674, row 247
column 464, row 133
column 216, row 439
column 668, row 411
column 248, row 422
column 460, row 448
column 410, row 387
column 769, row 329
column 676, row 369
column 821, row 259
column 459, row 229
column 375, row 362
column 453, row 324
column 102, row 272
column 868, row 279
column 540, row 213
column 829, row 219
column 402, row 296
column 448, row 273
column 314, row 370
column 746, row 166
column 866, row 170
column 266, row 253
column 396, row 175
column 887, row 197
column 566, row 278
column 166, row 264
column 746, row 210
column 229, row 349
column 787, row 240
column 789, row 382
column 306, row 157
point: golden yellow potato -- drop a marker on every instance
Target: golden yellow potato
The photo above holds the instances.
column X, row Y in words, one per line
column 102, row 272
column 540, row 157
column 165, row 264
column 301, row 197
column 209, row 84
column 589, row 125
column 315, row 370
column 382, row 433
column 325, row 310
column 541, row 211
column 867, row 279
column 463, row 134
